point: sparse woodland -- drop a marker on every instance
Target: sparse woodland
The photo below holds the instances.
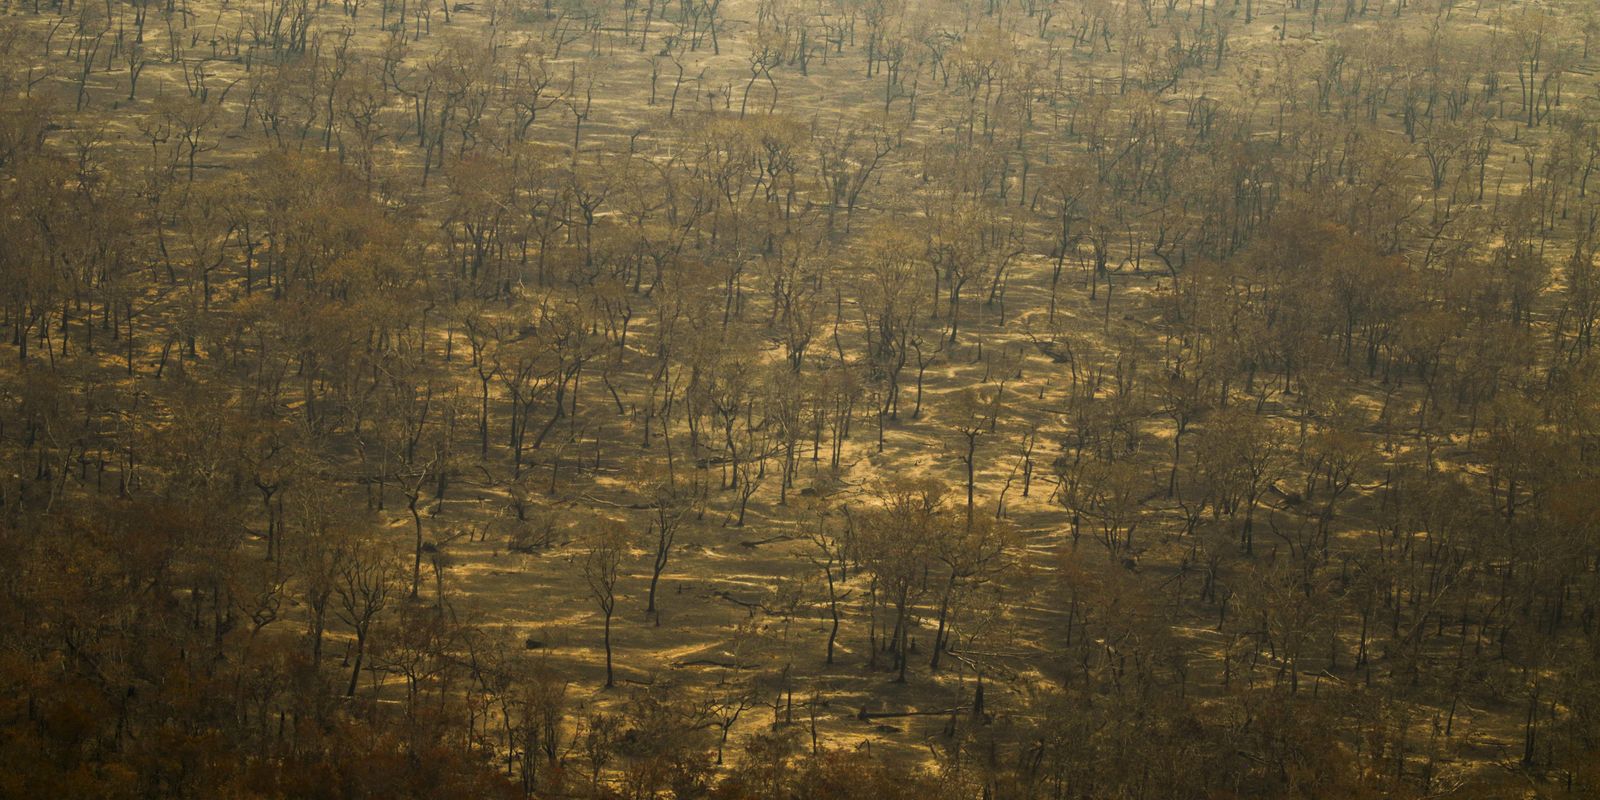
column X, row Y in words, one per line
column 799, row 399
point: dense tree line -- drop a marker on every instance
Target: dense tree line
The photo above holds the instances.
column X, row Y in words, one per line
column 1117, row 397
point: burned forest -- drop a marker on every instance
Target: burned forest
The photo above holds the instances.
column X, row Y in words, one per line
column 799, row 399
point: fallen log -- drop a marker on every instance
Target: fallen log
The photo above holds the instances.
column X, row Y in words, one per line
column 708, row 662
column 754, row 543
column 867, row 716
